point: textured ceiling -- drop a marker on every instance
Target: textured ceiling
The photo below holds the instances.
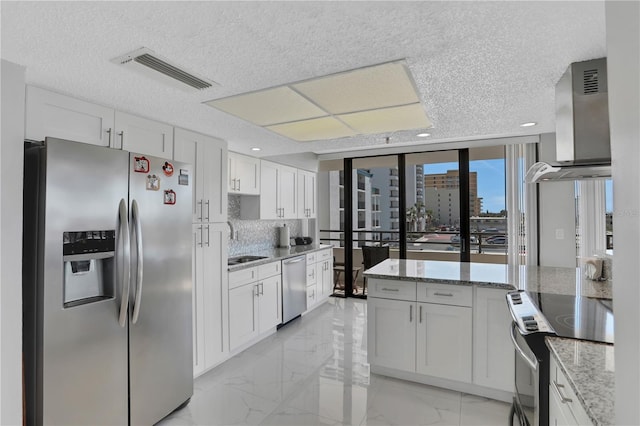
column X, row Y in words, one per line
column 481, row 68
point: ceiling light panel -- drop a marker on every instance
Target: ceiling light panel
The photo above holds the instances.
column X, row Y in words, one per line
column 314, row 129
column 388, row 119
column 266, row 107
column 362, row 89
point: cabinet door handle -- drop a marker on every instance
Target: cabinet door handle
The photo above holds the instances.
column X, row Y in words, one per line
column 109, row 133
column 122, row 138
column 238, row 184
column 557, row 387
column 208, row 209
column 389, row 289
column 420, row 314
column 208, row 236
column 199, row 203
column 261, row 288
column 410, row 313
column 443, row 294
column 257, row 292
column 201, row 241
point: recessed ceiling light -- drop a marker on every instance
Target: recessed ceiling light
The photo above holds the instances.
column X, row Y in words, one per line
column 529, row 124
column 423, row 135
column 255, row 149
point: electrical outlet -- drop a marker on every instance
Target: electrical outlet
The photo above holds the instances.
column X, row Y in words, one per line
column 560, row 234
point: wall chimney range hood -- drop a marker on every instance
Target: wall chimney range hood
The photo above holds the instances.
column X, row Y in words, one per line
column 583, row 149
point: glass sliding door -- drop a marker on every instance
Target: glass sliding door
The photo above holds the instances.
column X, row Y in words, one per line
column 376, row 213
column 487, row 205
column 433, row 206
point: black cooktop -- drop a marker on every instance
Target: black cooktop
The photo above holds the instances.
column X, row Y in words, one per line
column 576, row 317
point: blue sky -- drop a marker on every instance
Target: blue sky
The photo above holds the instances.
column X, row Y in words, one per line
column 490, row 181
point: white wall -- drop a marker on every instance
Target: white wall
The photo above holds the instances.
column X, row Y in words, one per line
column 305, row 160
column 11, row 164
column 556, row 214
column 623, row 67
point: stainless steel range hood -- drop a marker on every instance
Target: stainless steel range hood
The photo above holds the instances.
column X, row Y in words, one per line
column 583, row 150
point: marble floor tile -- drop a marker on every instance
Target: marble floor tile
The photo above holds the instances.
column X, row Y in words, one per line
column 479, row 411
column 314, row 371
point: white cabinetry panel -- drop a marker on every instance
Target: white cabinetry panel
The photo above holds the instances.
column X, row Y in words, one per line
column 50, row 114
column 144, row 136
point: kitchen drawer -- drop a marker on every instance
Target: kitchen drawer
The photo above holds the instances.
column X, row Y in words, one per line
column 311, row 258
column 311, row 274
column 560, row 387
column 269, row 269
column 311, row 296
column 445, row 294
column 323, row 255
column 243, row 276
column 391, row 289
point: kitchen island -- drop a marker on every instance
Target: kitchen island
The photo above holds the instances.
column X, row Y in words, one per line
column 469, row 316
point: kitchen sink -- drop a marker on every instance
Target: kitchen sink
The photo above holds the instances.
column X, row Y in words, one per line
column 244, row 259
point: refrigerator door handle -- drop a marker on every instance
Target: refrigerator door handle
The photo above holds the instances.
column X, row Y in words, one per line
column 137, row 228
column 126, row 273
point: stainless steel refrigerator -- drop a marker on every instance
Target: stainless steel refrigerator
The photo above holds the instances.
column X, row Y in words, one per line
column 106, row 285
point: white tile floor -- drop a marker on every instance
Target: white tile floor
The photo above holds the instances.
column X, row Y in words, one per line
column 314, row 372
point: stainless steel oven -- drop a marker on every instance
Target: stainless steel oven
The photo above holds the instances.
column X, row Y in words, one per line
column 526, row 401
column 536, row 316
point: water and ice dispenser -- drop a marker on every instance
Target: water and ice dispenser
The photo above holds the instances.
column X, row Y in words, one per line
column 88, row 258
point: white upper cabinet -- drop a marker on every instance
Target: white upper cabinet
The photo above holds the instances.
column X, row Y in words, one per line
column 50, row 114
column 306, row 194
column 244, row 174
column 144, row 136
column 209, row 159
column 278, row 195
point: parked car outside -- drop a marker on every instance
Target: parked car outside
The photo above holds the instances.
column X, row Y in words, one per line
column 496, row 239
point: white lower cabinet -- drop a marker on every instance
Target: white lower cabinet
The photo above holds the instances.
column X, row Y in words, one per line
column 209, row 288
column 444, row 341
column 493, row 352
column 319, row 277
column 254, row 302
column 565, row 408
column 391, row 333
column 453, row 336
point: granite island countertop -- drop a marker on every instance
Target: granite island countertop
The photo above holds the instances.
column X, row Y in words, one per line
column 276, row 253
column 589, row 367
column 542, row 279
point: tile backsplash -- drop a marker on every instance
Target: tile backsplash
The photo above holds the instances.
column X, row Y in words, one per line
column 256, row 235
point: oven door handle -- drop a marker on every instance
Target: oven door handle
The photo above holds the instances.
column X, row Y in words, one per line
column 533, row 363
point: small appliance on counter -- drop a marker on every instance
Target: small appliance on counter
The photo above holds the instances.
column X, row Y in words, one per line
column 283, row 232
column 301, row 241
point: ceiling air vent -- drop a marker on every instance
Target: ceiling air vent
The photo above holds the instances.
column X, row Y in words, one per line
column 153, row 65
column 590, row 81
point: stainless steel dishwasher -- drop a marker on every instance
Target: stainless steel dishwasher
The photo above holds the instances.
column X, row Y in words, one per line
column 294, row 288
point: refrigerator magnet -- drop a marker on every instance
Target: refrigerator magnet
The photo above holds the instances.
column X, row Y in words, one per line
column 153, row 183
column 183, row 177
column 141, row 164
column 167, row 168
column 169, row 196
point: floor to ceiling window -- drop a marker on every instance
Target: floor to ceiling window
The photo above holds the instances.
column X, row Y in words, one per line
column 440, row 205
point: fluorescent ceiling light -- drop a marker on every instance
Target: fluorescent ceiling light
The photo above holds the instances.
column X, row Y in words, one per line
column 363, row 89
column 255, row 149
column 423, row 135
column 529, row 124
column 377, row 99
column 272, row 106
column 387, row 119
column 314, row 129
